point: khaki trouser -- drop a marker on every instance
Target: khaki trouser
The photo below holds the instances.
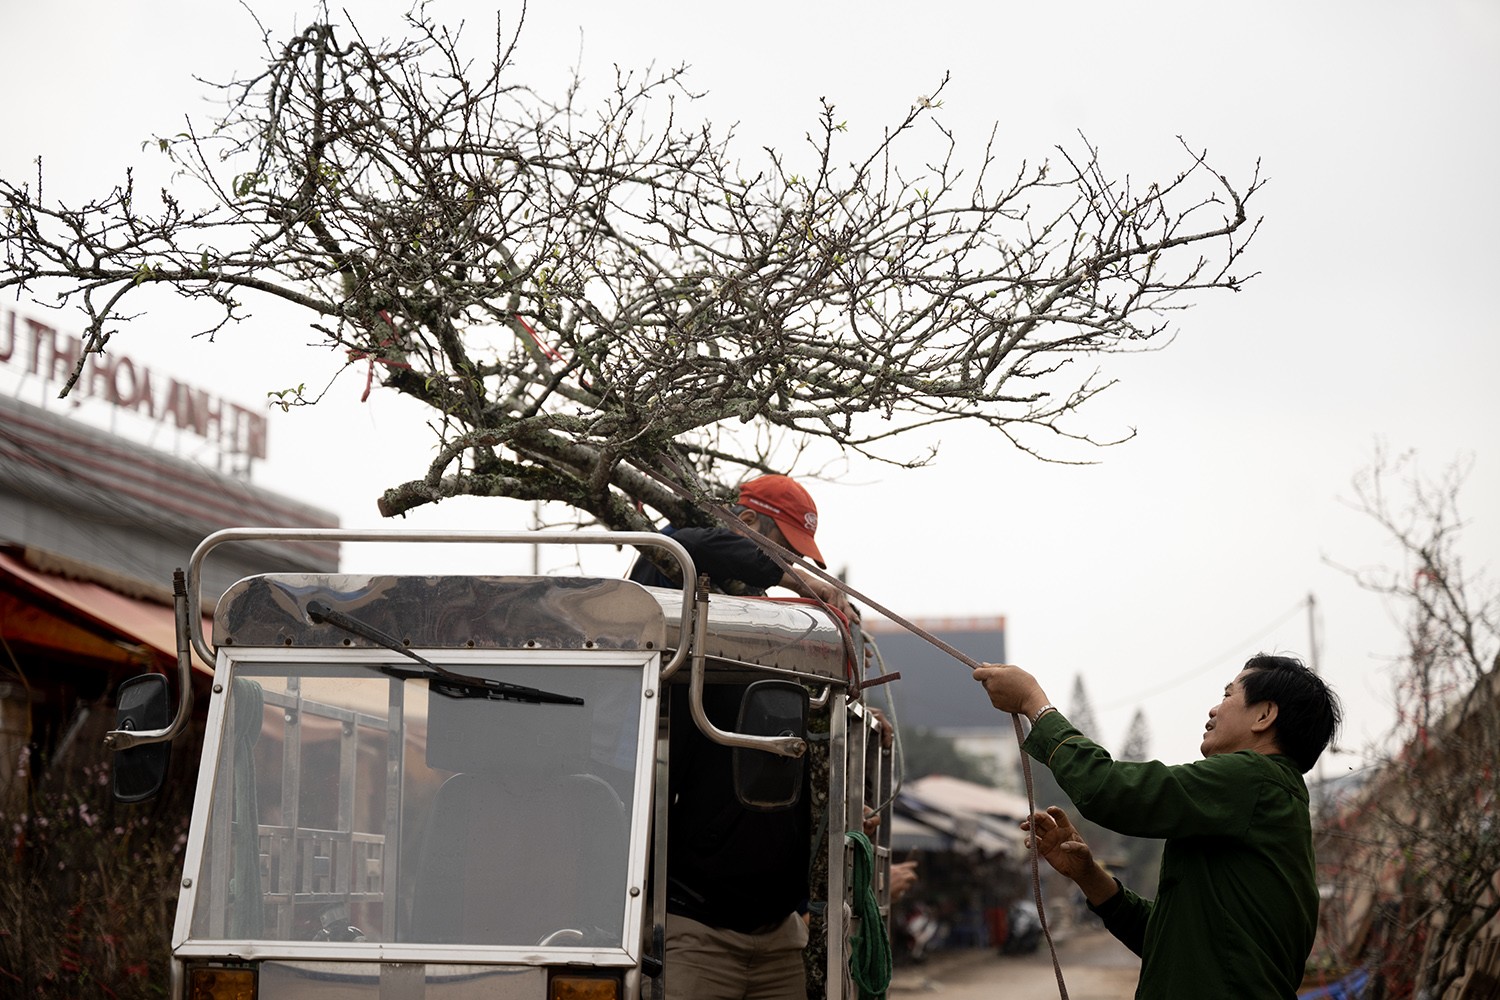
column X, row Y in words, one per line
column 710, row 963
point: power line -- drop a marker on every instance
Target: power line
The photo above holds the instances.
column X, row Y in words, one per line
column 1215, row 661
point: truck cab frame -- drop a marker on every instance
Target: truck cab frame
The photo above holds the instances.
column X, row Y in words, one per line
column 454, row 786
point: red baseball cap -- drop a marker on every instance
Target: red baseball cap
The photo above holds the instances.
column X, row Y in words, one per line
column 782, row 500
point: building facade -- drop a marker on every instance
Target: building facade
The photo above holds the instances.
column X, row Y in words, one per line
column 91, row 528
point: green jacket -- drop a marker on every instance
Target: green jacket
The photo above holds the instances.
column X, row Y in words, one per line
column 1237, row 902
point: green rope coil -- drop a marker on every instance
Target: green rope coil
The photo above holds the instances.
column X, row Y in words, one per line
column 870, row 949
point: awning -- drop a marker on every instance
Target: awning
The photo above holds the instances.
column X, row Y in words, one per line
column 85, row 619
column 965, row 797
column 909, row 835
column 972, row 818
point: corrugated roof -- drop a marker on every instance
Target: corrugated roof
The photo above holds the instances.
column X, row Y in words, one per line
column 973, row 818
column 92, row 607
column 57, row 462
column 957, row 795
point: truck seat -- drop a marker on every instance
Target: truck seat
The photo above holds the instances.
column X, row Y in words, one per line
column 507, row 861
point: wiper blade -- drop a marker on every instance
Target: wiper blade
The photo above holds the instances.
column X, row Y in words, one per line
column 439, row 679
column 456, row 685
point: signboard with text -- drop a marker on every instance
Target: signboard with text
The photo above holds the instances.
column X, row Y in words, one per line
column 32, row 351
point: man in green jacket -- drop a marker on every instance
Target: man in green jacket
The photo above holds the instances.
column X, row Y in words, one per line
column 1236, row 904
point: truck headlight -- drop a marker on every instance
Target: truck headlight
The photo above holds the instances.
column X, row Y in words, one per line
column 576, row 986
column 218, row 982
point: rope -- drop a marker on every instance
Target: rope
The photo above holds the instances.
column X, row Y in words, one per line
column 870, row 949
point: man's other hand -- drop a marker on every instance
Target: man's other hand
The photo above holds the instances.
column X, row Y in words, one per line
column 1060, row 843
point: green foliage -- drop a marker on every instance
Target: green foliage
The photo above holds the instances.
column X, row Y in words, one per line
column 924, row 752
column 1081, row 710
column 246, row 184
column 1137, row 744
column 287, row 398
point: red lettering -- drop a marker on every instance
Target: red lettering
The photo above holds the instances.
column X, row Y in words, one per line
column 146, row 397
column 177, row 404
column 99, row 377
column 10, row 337
column 205, row 414
column 64, row 357
column 259, row 428
column 234, row 430
column 139, row 389
column 191, row 407
column 39, row 333
column 206, row 417
column 248, row 433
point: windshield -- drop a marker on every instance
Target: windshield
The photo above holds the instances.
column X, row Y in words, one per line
column 350, row 805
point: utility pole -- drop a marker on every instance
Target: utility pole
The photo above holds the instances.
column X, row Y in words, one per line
column 1312, row 662
column 536, row 548
column 1312, row 632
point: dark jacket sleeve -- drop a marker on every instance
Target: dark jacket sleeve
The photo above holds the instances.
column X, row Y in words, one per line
column 1125, row 915
column 723, row 555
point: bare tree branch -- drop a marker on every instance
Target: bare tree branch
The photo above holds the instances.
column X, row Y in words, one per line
column 579, row 291
column 1414, row 856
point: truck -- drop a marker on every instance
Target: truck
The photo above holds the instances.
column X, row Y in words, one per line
column 455, row 786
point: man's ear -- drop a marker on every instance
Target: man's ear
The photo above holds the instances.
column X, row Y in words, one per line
column 748, row 517
column 1265, row 716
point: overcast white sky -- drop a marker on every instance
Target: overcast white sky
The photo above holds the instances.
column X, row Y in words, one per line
column 1152, row 574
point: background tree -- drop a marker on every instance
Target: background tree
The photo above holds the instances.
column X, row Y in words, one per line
column 1081, row 710
column 1108, row 846
column 593, row 300
column 1137, row 745
column 1136, row 860
column 1141, row 857
column 1414, row 854
column 924, row 752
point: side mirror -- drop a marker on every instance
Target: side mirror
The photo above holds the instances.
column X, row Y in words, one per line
column 763, row 780
column 144, row 704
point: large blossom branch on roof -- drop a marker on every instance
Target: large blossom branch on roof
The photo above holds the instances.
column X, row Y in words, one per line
column 576, row 291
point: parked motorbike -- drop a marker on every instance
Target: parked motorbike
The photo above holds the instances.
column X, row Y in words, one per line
column 920, row 931
column 1025, row 929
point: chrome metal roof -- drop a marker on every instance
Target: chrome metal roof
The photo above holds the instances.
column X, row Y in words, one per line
column 443, row 612
column 523, row 612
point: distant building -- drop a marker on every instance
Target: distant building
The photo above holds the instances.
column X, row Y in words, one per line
column 91, row 528
column 936, row 691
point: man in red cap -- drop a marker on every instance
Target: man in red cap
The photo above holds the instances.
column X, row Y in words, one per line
column 790, row 508
column 775, row 506
column 737, row 879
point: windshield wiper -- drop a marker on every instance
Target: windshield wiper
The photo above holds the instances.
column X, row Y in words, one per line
column 439, row 679
column 454, row 685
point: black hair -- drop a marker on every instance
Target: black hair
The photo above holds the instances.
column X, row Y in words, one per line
column 1308, row 713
